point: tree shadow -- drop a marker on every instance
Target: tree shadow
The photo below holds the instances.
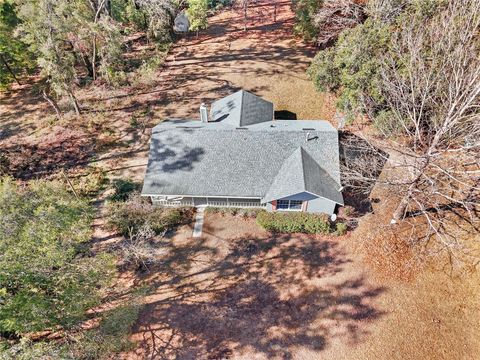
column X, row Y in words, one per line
column 255, row 295
column 61, row 149
column 361, row 164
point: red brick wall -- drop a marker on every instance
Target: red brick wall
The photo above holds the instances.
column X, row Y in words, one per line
column 274, row 205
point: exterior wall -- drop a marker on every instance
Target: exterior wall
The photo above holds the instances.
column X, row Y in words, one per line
column 312, row 203
column 321, row 205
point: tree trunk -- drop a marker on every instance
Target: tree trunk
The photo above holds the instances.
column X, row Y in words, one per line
column 402, row 206
column 74, row 101
column 400, row 210
column 94, row 58
column 88, row 65
column 52, row 102
column 9, row 69
column 245, row 15
column 108, row 6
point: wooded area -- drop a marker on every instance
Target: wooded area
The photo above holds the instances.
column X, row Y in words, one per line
column 82, row 255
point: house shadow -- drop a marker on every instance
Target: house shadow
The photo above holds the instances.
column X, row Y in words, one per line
column 284, row 115
column 256, row 296
column 360, row 166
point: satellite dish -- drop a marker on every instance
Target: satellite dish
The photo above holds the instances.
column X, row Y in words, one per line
column 333, row 217
column 181, row 23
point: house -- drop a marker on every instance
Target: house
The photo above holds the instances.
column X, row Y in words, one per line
column 239, row 156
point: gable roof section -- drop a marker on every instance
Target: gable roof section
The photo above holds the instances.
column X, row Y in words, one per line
column 301, row 173
column 191, row 158
column 241, row 109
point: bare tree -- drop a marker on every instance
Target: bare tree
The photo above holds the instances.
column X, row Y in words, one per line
column 160, row 15
column 137, row 249
column 430, row 81
column 334, row 16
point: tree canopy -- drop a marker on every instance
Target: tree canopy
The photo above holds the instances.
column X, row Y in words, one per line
column 47, row 276
column 412, row 69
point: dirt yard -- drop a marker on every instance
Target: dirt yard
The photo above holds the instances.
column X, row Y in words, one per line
column 113, row 132
column 241, row 293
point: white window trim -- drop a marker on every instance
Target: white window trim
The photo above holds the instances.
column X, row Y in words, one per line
column 289, row 204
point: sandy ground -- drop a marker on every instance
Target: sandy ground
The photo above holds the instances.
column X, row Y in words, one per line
column 241, row 293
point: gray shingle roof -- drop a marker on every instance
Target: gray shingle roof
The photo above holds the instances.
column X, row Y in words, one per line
column 215, row 159
column 301, row 173
column 241, row 109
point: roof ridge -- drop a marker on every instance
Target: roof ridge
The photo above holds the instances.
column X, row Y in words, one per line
column 242, row 104
column 302, row 159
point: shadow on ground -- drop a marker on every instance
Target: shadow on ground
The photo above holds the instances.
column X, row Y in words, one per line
column 261, row 297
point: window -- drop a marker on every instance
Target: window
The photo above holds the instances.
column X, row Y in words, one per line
column 283, row 204
column 292, row 205
column 295, row 204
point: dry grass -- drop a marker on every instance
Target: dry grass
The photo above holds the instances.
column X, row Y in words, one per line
column 239, row 293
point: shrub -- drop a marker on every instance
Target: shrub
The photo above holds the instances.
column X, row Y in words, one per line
column 213, row 210
column 294, row 222
column 111, row 336
column 242, row 212
column 90, row 183
column 137, row 250
column 341, row 229
column 4, row 164
column 305, row 11
column 131, row 216
column 348, row 210
column 123, row 189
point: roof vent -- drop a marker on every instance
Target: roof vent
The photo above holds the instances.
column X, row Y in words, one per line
column 308, row 129
column 308, row 138
column 203, row 113
column 241, row 128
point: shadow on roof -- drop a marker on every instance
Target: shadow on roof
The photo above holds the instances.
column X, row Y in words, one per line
column 284, row 115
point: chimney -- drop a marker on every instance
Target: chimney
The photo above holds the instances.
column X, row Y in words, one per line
column 203, row 113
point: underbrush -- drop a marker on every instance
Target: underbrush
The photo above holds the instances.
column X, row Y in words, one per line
column 131, row 216
column 110, row 337
column 90, row 182
column 123, row 189
column 298, row 222
column 140, row 222
column 386, row 249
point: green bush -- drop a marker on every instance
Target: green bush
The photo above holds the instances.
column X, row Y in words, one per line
column 341, row 229
column 130, row 216
column 305, row 11
column 103, row 342
column 351, row 67
column 294, row 222
column 123, row 189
